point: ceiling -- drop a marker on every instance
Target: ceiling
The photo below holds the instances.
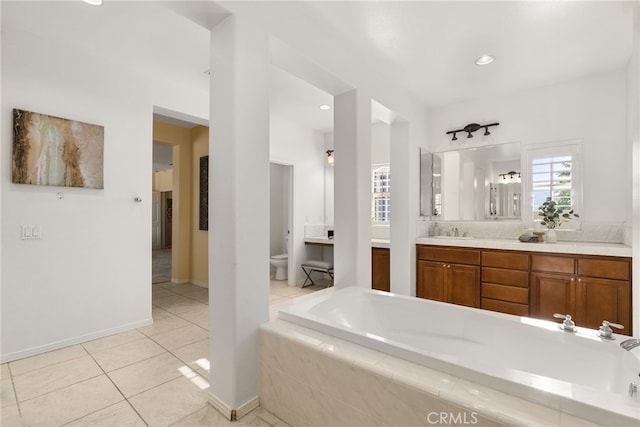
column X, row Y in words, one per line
column 428, row 47
column 425, row 48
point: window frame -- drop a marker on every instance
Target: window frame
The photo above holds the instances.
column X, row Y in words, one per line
column 384, row 195
column 556, row 149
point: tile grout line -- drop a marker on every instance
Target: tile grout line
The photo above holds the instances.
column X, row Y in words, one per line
column 51, row 364
column 15, row 393
column 119, row 391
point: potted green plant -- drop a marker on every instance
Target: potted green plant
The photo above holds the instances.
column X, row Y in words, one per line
column 553, row 216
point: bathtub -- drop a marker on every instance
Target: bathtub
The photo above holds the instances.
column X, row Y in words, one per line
column 532, row 359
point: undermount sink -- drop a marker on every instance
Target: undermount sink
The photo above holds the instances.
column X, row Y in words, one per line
column 454, row 237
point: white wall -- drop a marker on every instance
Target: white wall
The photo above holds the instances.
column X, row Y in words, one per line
column 303, row 148
column 633, row 169
column 592, row 108
column 328, row 181
column 380, row 148
column 90, row 274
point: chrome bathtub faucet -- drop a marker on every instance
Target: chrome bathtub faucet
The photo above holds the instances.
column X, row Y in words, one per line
column 630, row 343
column 605, row 330
column 568, row 325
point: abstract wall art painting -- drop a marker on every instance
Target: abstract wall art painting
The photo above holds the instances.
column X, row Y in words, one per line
column 51, row 150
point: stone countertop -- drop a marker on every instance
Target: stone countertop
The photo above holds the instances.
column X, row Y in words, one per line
column 580, row 248
column 323, row 241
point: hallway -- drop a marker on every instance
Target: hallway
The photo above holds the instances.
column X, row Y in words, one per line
column 156, row 375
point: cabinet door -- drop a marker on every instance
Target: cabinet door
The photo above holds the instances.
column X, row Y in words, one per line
column 380, row 269
column 432, row 280
column 604, row 299
column 552, row 293
column 464, row 285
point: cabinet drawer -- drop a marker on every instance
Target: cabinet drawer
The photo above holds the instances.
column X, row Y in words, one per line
column 447, row 254
column 506, row 277
column 606, row 268
column 510, row 260
column 553, row 263
column 505, row 293
column 505, row 307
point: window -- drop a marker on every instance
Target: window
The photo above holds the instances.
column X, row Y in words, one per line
column 554, row 172
column 381, row 193
column 551, row 177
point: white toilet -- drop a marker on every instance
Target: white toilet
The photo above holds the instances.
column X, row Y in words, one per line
column 280, row 262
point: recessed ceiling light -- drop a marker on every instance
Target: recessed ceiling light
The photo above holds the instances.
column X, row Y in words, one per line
column 93, row 2
column 485, row 60
column 325, row 107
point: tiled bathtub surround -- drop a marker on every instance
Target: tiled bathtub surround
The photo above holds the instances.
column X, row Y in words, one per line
column 597, row 232
column 309, row 378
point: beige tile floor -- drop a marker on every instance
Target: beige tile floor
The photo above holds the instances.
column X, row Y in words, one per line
column 155, row 376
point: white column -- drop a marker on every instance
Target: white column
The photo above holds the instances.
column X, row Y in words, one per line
column 634, row 135
column 238, row 211
column 402, row 218
column 352, row 189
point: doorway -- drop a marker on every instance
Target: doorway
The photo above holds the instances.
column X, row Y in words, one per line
column 162, row 208
column 280, row 218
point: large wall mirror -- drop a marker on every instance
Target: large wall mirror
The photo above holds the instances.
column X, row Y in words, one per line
column 479, row 183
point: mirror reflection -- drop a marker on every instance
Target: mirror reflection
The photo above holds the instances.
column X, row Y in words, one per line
column 479, row 183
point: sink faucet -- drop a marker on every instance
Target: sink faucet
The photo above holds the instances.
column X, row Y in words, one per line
column 630, row 343
column 455, row 231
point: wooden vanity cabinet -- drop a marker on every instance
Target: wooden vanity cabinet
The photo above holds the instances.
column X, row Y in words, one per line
column 603, row 291
column 449, row 275
column 552, row 286
column 380, row 269
column 590, row 288
column 505, row 282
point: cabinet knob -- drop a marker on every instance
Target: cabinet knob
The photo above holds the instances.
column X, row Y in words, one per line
column 579, row 279
column 444, row 265
column 573, row 279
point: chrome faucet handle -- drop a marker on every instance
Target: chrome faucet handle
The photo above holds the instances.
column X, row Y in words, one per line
column 605, row 330
column 568, row 324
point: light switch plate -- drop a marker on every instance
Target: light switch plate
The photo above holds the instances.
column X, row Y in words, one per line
column 30, row 232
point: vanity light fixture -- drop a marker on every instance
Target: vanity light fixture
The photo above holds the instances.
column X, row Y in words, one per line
column 485, row 60
column 470, row 128
column 510, row 174
column 93, row 2
column 330, row 158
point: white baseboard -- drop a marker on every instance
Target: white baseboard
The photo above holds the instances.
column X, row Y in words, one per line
column 4, row 358
column 247, row 407
column 233, row 414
